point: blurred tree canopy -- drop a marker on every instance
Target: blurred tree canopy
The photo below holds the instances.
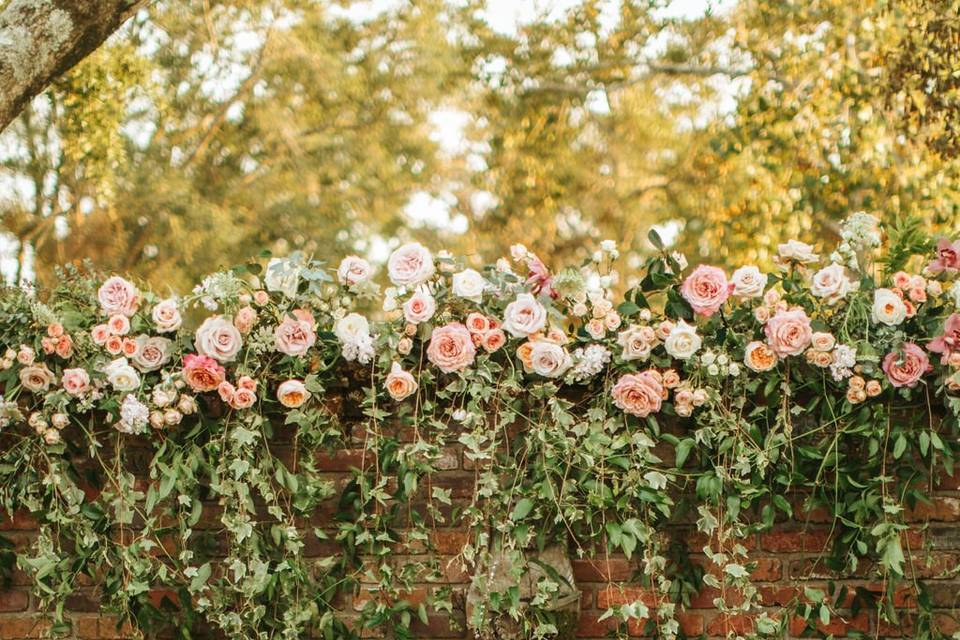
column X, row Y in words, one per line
column 204, row 132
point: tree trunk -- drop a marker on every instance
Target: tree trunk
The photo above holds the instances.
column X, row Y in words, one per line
column 43, row 39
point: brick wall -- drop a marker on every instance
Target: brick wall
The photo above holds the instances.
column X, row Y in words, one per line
column 786, row 559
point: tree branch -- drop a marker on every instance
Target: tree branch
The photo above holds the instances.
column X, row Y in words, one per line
column 41, row 40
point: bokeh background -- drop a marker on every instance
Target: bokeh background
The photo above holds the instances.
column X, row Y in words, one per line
column 207, row 131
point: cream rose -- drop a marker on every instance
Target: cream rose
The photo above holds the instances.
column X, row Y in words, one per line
column 410, row 265
column 823, row 341
column 469, row 284
column 524, row 316
column 121, row 375
column 353, row 270
column 292, row 394
column 683, row 341
column 637, row 342
column 548, row 359
column 831, row 283
column 36, row 378
column 166, row 316
column 152, row 353
column 218, row 339
column 400, row 384
column 796, row 251
column 888, row 307
column 748, row 282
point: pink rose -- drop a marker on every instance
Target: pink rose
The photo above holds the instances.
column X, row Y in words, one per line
column 639, row 394
column 789, row 332
column 353, row 270
column 905, row 367
column 119, row 325
column 245, row 319
column 493, row 340
column 226, row 390
column 294, row 337
column 451, row 348
column 410, row 265
column 243, row 399
column 218, row 339
column 246, row 382
column 64, row 346
column 948, row 257
column 949, row 342
column 100, row 334
column 76, row 382
column 117, row 295
column 706, row 289
column 202, row 373
column 419, row 308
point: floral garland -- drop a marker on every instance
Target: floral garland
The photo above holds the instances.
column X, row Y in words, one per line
column 784, row 381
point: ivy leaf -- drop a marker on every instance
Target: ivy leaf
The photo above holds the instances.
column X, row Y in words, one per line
column 522, row 509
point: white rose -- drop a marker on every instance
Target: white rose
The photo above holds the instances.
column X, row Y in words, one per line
column 121, row 375
column 282, row 275
column 548, row 359
column 831, row 283
column 469, row 284
column 748, row 282
column 888, row 307
column 166, row 316
column 524, row 316
column 410, row 265
column 351, row 328
column 353, row 270
column 796, row 251
column 954, row 294
column 219, row 339
column 683, row 341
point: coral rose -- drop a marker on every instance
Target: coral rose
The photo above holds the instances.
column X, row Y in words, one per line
column 451, row 348
column 638, row 394
column 202, row 373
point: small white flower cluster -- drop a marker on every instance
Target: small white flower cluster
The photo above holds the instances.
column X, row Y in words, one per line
column 222, row 285
column 608, row 248
column 353, row 331
column 844, row 359
column 588, row 362
column 860, row 233
column 9, row 413
column 134, row 416
column 719, row 364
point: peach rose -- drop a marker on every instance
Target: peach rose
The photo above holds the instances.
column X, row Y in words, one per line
column 905, row 367
column 759, row 357
column 64, row 346
column 638, row 394
column 477, row 323
column 789, row 332
column 420, row 307
column 217, row 338
column 451, row 348
column 246, row 382
column 114, row 345
column 100, row 334
column 493, row 340
column 294, row 337
column 706, row 289
column 873, row 388
column 202, row 373
column 119, row 325
column 76, row 382
column 226, row 391
column 671, row 379
column 400, row 384
column 118, row 296
column 292, row 394
column 823, row 341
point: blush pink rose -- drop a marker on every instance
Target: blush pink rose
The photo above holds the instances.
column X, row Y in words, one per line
column 706, row 289
column 493, row 340
column 294, row 337
column 202, row 373
column 905, row 367
column 451, row 348
column 226, row 391
column 789, row 332
column 478, row 323
column 639, row 394
column 118, row 296
column 76, row 382
column 217, row 338
column 245, row 319
column 243, row 399
column 100, row 334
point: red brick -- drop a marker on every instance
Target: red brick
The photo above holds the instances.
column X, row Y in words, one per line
column 613, row 569
column 813, row 540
